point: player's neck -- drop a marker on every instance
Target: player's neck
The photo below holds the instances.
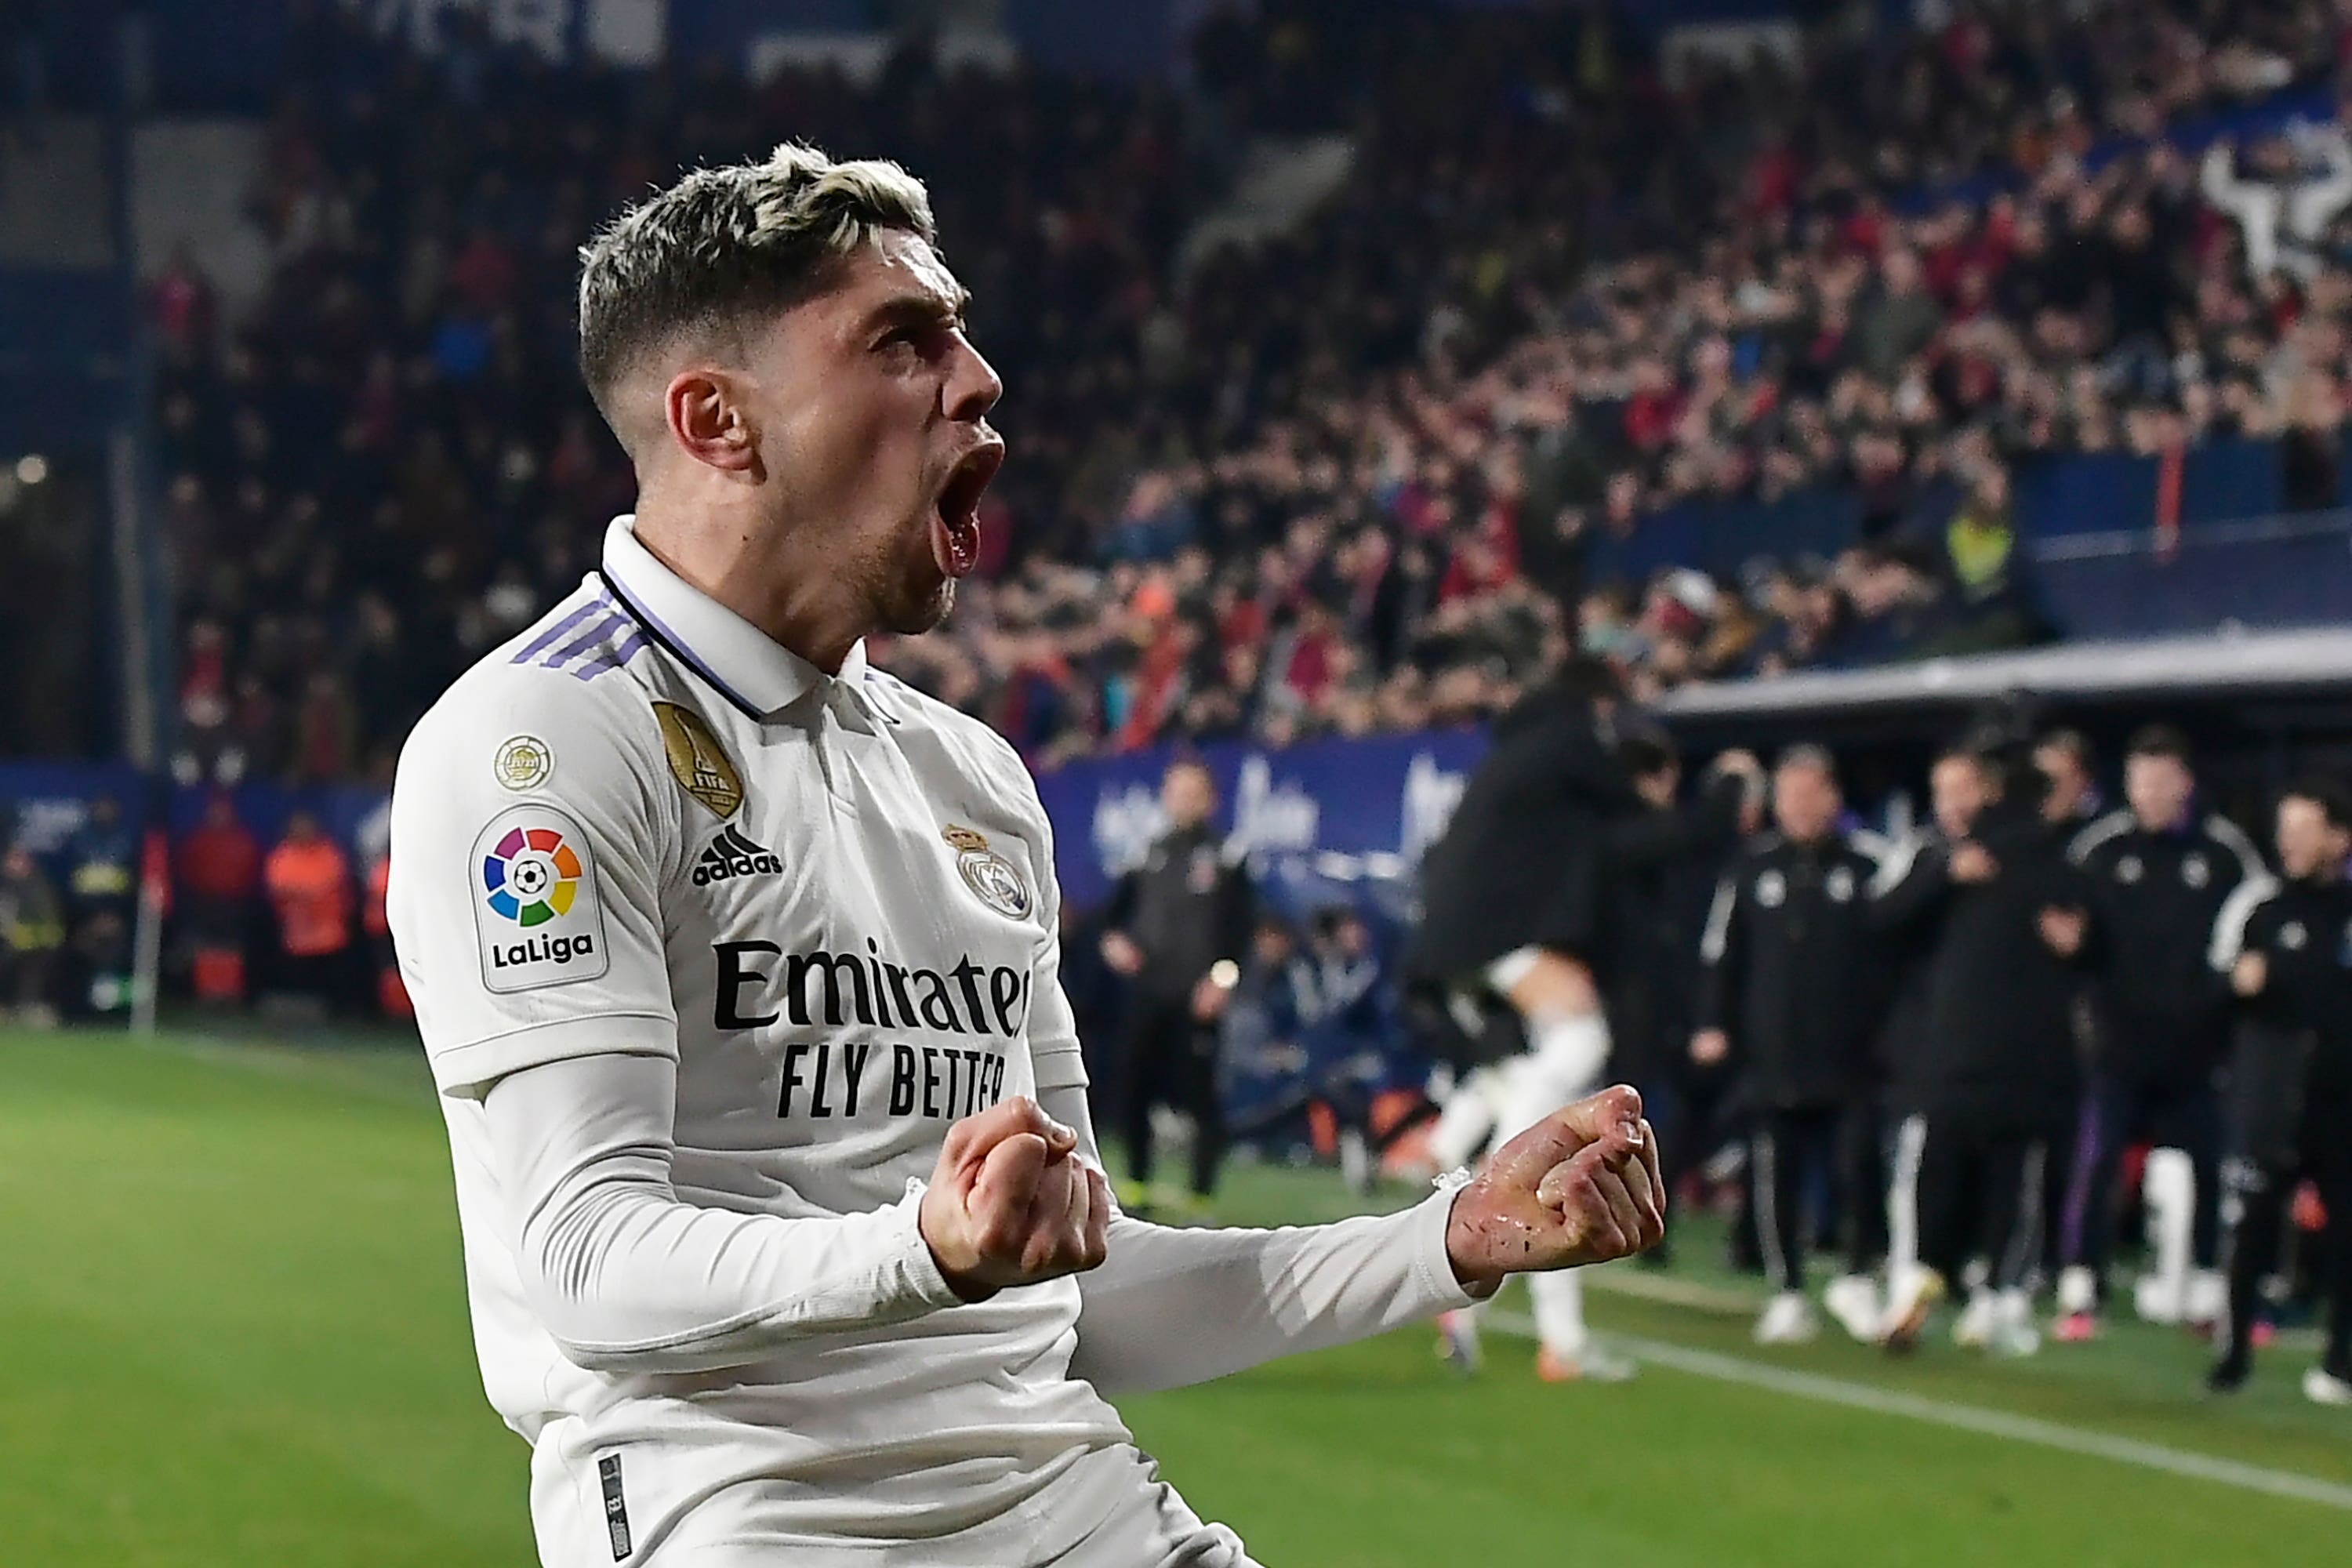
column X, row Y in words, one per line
column 795, row 600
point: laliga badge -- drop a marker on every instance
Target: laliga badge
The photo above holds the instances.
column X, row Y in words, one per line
column 695, row 760
column 536, row 909
column 988, row 874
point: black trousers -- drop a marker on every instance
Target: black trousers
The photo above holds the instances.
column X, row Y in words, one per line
column 1171, row 1060
column 1978, row 1192
column 2260, row 1197
column 1787, row 1146
column 2187, row 1117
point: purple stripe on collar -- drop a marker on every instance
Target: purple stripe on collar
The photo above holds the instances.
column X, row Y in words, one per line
column 676, row 644
column 538, row 644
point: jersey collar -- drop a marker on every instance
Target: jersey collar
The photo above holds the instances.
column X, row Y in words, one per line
column 757, row 675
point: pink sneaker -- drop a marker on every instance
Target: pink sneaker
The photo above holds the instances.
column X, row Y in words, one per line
column 2075, row 1329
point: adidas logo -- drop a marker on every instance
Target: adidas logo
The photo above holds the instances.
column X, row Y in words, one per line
column 729, row 856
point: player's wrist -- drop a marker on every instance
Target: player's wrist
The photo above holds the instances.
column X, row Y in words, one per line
column 1465, row 1249
column 957, row 1260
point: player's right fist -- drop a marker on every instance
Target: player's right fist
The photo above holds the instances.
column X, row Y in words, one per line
column 1011, row 1202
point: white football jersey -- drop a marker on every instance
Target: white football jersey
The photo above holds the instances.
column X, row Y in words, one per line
column 644, row 827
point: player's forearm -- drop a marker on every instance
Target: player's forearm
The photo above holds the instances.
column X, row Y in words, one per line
column 627, row 1276
column 1172, row 1307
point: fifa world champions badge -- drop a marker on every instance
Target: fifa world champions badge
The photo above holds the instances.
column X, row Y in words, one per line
column 697, row 760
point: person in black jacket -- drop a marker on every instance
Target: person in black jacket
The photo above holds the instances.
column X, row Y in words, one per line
column 1517, row 902
column 2286, row 948
column 2159, row 876
column 1789, row 991
column 1995, row 1079
column 1177, row 929
column 1664, row 867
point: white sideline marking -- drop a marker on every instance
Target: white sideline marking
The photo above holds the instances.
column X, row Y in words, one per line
column 1668, row 1290
column 1967, row 1419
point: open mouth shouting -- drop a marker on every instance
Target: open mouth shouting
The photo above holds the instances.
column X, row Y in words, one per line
column 955, row 520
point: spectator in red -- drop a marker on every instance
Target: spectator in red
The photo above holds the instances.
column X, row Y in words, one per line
column 309, row 884
column 182, row 302
column 391, row 990
column 217, row 870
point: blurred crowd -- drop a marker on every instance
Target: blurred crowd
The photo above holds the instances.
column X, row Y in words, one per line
column 292, row 919
column 1346, row 479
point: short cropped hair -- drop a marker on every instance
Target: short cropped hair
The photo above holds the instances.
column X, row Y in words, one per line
column 2159, row 741
column 725, row 244
column 2333, row 800
column 2071, row 742
column 1647, row 755
column 1975, row 750
column 1806, row 755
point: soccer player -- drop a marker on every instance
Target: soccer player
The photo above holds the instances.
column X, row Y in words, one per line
column 2286, row 949
column 736, row 963
column 1789, row 993
column 2002, row 915
column 1515, row 907
column 2159, row 875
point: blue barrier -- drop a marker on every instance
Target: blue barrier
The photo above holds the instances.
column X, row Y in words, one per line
column 1350, row 810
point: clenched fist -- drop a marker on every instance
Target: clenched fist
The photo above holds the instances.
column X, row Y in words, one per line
column 1581, row 1186
column 1011, row 1204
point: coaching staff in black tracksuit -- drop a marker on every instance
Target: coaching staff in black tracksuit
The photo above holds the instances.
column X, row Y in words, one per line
column 1790, row 990
column 2003, row 915
column 2159, row 876
column 2286, row 949
column 1172, row 920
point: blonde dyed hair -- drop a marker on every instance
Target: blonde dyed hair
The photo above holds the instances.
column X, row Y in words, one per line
column 724, row 244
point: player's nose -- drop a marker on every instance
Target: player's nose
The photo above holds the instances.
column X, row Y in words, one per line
column 973, row 385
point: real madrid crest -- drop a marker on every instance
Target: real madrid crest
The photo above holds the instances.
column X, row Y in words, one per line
column 1771, row 889
column 695, row 760
column 1840, row 885
column 2292, row 936
column 987, row 873
column 2128, row 869
column 2195, row 871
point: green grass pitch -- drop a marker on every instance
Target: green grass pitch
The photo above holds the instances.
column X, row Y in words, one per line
column 233, row 1332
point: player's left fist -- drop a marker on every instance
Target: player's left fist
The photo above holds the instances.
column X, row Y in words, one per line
column 1583, row 1185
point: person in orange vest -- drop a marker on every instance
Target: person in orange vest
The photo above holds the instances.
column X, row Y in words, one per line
column 310, row 886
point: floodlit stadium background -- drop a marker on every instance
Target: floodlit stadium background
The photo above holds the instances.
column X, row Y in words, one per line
column 1843, row 371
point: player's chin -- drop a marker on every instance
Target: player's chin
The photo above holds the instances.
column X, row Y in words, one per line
column 918, row 607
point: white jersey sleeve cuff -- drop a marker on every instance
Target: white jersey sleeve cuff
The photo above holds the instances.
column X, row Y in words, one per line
column 467, row 1071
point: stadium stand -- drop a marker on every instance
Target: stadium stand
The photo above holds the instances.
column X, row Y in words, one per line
column 1796, row 382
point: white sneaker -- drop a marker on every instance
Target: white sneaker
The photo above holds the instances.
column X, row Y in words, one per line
column 1789, row 1321
column 2158, row 1300
column 2324, row 1387
column 2013, row 1335
column 1852, row 1301
column 1974, row 1330
column 1910, row 1301
column 2206, row 1299
column 1591, row 1364
column 2078, row 1291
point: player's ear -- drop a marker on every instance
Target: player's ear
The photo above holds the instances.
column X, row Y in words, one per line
column 708, row 417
